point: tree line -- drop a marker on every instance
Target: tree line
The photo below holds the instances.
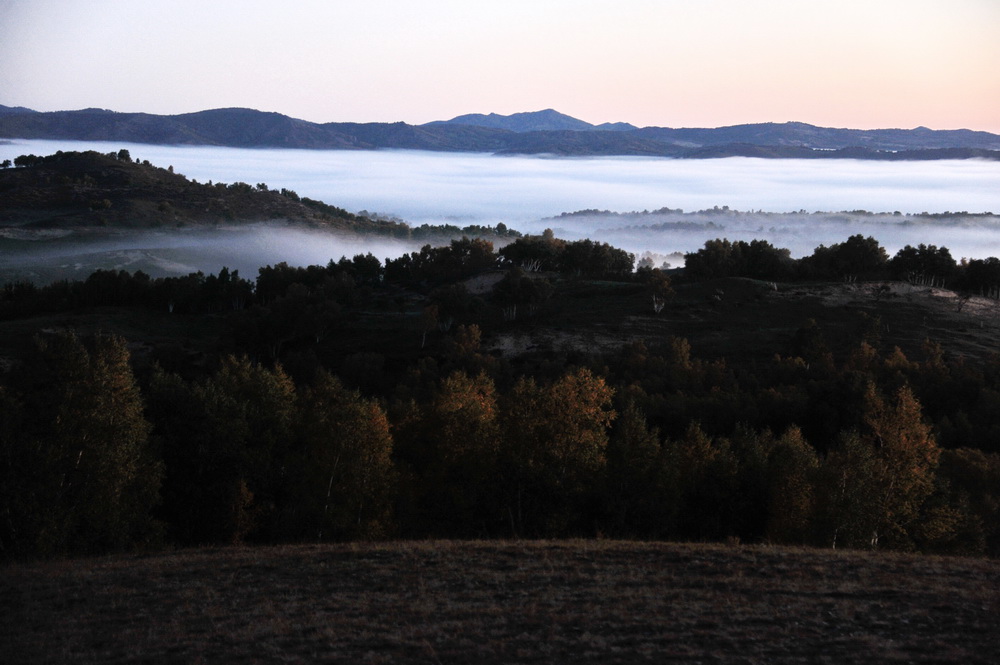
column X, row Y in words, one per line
column 429, row 267
column 857, row 258
column 96, row 460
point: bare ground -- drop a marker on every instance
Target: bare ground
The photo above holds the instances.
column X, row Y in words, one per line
column 503, row 602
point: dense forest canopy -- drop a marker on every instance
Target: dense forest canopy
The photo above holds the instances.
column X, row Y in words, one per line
column 360, row 400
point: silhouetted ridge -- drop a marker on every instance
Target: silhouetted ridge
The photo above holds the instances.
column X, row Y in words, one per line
column 539, row 132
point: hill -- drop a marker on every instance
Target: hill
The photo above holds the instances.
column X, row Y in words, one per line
column 823, row 138
column 516, row 602
column 537, row 121
column 537, row 132
column 10, row 110
column 90, row 189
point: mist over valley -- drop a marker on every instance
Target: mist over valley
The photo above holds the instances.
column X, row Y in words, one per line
column 47, row 257
column 675, row 205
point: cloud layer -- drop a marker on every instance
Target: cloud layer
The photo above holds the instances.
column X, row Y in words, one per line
column 526, row 192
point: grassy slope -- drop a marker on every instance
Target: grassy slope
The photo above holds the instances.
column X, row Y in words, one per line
column 513, row 602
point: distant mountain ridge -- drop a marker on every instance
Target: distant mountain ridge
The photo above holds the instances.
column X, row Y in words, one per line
column 535, row 121
column 539, row 132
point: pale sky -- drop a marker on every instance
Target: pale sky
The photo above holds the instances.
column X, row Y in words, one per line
column 671, row 63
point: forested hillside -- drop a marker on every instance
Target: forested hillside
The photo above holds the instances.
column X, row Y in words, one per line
column 545, row 389
column 90, row 189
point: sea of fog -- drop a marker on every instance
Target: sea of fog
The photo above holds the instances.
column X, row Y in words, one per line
column 529, row 194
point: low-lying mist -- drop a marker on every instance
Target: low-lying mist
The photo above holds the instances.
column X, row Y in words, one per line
column 972, row 236
column 529, row 194
column 44, row 258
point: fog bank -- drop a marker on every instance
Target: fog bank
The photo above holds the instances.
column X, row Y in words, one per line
column 526, row 192
column 44, row 258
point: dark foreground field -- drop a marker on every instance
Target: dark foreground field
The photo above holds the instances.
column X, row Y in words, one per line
column 514, row 602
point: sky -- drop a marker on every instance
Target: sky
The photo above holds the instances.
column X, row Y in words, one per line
column 671, row 63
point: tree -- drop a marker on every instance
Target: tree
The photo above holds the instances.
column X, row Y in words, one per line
column 465, row 413
column 27, row 160
column 454, row 305
column 705, row 470
column 533, row 253
column 473, row 255
column 721, row 258
column 428, row 322
column 225, row 441
column 367, row 269
column 876, row 481
column 923, row 264
column 517, row 289
column 640, row 494
column 981, row 276
column 595, row 259
column 972, row 482
column 750, row 451
column 809, row 344
column 14, row 501
column 848, row 514
column 342, row 475
column 791, row 471
column 762, row 260
column 856, row 257
column 658, row 284
column 461, row 440
column 715, row 259
column 84, row 476
column 908, row 454
column 462, row 258
column 258, row 403
column 554, row 441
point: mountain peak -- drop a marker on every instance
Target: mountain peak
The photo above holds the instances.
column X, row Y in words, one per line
column 530, row 121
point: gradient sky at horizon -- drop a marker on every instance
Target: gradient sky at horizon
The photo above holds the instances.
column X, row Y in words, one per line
column 846, row 63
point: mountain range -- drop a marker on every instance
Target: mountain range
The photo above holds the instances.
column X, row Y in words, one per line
column 539, row 132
